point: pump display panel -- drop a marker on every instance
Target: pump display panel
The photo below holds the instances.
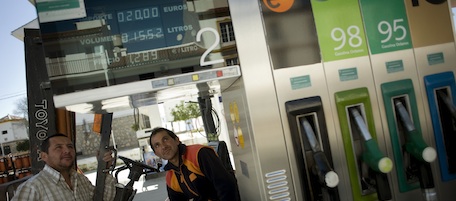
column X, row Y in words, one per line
column 100, row 43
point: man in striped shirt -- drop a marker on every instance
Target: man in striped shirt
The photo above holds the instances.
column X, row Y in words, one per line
column 58, row 181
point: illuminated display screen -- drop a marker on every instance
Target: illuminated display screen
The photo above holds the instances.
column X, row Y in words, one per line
column 117, row 41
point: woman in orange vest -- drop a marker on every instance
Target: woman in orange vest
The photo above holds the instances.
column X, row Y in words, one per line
column 194, row 171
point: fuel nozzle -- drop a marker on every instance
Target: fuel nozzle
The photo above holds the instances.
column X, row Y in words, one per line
column 427, row 182
column 372, row 154
column 325, row 172
column 424, row 154
column 415, row 144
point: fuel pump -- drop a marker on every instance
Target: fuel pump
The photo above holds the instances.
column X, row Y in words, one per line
column 326, row 174
column 220, row 147
column 322, row 169
column 422, row 154
column 374, row 158
column 205, row 105
column 446, row 100
column 415, row 143
column 435, row 63
column 440, row 90
column 308, row 128
column 447, row 111
column 411, row 153
column 367, row 165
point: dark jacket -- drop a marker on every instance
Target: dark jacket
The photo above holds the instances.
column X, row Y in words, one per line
column 200, row 175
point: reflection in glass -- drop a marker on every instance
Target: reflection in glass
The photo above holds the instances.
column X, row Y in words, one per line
column 120, row 42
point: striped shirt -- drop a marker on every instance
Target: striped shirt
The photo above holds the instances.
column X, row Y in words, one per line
column 50, row 185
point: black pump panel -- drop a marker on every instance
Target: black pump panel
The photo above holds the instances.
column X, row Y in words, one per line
column 310, row 110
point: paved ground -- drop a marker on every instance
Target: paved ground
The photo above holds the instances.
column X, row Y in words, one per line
column 152, row 189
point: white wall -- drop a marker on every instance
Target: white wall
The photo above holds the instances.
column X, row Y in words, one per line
column 14, row 130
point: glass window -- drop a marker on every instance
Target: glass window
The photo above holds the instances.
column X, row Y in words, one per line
column 227, row 32
column 7, row 149
column 111, row 42
column 232, row 61
column 145, row 121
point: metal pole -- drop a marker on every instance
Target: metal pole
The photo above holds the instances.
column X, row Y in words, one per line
column 3, row 151
column 105, row 133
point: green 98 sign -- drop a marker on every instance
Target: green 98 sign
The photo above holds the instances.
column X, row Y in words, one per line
column 386, row 25
column 340, row 29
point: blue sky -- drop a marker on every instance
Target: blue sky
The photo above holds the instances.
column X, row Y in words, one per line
column 14, row 14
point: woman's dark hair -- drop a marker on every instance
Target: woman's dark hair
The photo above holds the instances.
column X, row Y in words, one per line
column 160, row 129
column 45, row 143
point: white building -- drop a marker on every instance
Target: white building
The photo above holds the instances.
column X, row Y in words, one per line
column 12, row 130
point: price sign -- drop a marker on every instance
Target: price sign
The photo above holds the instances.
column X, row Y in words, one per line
column 340, row 29
column 386, row 25
column 141, row 28
column 430, row 22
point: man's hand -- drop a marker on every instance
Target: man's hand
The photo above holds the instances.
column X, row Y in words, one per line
column 107, row 157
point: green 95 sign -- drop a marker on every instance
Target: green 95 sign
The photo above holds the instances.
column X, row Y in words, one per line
column 340, row 29
column 386, row 25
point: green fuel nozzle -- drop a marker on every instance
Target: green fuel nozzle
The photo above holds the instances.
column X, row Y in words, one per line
column 375, row 158
column 372, row 154
column 415, row 144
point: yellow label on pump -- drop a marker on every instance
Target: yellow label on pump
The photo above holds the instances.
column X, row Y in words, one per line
column 234, row 112
column 240, row 137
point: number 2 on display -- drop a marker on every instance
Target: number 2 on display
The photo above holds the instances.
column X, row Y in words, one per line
column 212, row 47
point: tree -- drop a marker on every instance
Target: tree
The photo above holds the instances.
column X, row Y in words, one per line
column 194, row 111
column 185, row 112
column 23, row 145
column 22, row 108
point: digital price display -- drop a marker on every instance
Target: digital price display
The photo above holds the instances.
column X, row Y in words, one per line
column 119, row 42
column 141, row 26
